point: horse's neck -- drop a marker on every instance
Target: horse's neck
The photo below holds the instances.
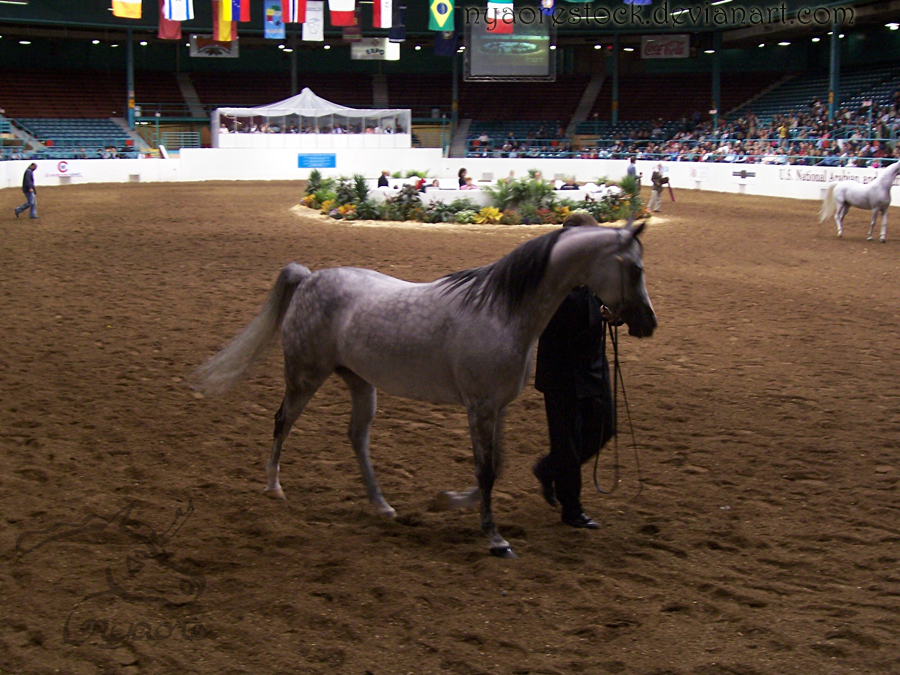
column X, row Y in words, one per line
column 890, row 173
column 569, row 267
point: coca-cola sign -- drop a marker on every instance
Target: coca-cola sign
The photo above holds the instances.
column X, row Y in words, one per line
column 666, row 47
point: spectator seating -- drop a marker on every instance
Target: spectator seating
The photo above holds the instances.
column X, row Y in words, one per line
column 522, row 100
column 253, row 89
column 670, row 97
column 856, row 84
column 62, row 93
column 420, row 93
column 76, row 132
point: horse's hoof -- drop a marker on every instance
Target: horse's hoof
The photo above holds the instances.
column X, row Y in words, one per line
column 870, row 238
column 503, row 552
column 386, row 511
column 275, row 493
column 883, row 240
column 443, row 501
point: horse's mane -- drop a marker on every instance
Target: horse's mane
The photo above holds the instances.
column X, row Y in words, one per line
column 508, row 281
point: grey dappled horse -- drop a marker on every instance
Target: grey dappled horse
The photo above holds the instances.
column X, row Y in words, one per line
column 466, row 338
column 876, row 196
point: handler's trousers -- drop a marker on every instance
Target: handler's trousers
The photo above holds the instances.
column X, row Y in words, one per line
column 654, row 200
column 578, row 427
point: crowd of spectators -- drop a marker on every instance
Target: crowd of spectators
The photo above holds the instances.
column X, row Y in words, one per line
column 861, row 136
column 235, row 126
column 542, row 142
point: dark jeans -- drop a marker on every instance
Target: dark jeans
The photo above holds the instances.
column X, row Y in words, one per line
column 578, row 429
column 31, row 203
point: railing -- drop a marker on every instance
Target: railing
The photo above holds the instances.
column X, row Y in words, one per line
column 8, row 153
column 475, row 147
column 175, row 140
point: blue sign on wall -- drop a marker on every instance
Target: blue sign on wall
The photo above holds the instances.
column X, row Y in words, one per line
column 317, row 160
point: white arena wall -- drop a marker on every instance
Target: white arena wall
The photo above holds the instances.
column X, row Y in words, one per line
column 797, row 182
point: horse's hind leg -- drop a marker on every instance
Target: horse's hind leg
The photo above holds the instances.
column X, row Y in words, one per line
column 295, row 399
column 884, row 213
column 839, row 214
column 364, row 405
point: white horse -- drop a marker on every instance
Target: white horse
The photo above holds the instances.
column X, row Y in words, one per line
column 876, row 196
column 467, row 338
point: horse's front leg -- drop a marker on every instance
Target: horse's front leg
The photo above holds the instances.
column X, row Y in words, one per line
column 884, row 225
column 484, row 427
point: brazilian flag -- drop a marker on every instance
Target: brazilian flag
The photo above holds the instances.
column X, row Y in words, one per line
column 441, row 15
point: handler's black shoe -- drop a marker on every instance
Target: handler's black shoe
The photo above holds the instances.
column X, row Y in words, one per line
column 547, row 490
column 582, row 520
column 17, row 212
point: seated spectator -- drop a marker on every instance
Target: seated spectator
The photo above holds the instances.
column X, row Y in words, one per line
column 569, row 184
column 383, row 179
column 469, row 185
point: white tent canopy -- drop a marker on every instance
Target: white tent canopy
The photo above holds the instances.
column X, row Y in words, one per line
column 308, row 104
column 307, row 113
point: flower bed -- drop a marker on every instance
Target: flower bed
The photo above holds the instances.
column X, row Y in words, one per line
column 529, row 201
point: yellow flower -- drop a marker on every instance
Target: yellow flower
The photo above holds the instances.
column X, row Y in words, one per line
column 327, row 205
column 489, row 214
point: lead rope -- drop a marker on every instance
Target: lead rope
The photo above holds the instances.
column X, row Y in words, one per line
column 618, row 381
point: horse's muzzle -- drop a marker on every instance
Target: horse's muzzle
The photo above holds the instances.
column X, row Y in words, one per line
column 641, row 321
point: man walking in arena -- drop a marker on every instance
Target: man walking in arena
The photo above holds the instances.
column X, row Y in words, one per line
column 30, row 193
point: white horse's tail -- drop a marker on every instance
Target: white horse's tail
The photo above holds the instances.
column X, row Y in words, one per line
column 231, row 365
column 828, row 205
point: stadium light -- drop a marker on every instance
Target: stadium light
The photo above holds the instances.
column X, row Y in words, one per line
column 95, row 42
column 288, row 50
column 598, row 46
column 24, row 42
column 327, row 47
column 280, row 46
column 785, row 43
column 114, row 45
column 816, row 39
column 762, row 44
column 552, row 47
column 143, row 43
column 418, row 48
column 628, row 49
column 892, row 26
column 720, row 2
column 711, row 51
column 13, row 2
column 841, row 36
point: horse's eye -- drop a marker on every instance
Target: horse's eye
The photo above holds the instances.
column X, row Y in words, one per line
column 635, row 271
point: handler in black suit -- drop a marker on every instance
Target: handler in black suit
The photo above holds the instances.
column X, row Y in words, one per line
column 573, row 374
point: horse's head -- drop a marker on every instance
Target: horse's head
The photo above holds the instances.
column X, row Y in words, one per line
column 620, row 283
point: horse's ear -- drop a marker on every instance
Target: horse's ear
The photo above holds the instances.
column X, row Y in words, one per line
column 640, row 228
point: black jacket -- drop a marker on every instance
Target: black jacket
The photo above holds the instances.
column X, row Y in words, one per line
column 28, row 181
column 382, row 181
column 571, row 350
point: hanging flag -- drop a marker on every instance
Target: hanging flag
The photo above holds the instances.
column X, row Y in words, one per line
column 343, row 12
column 314, row 28
column 397, row 31
column 293, row 11
column 240, row 10
column 127, row 9
column 168, row 30
column 382, row 13
column 440, row 15
column 273, row 26
column 352, row 33
column 548, row 7
column 500, row 16
column 178, row 10
column 223, row 30
column 445, row 44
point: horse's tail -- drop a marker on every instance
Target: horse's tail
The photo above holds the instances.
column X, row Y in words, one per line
column 828, row 205
column 231, row 365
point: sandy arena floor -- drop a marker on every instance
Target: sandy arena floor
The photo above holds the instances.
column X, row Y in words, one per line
column 766, row 539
